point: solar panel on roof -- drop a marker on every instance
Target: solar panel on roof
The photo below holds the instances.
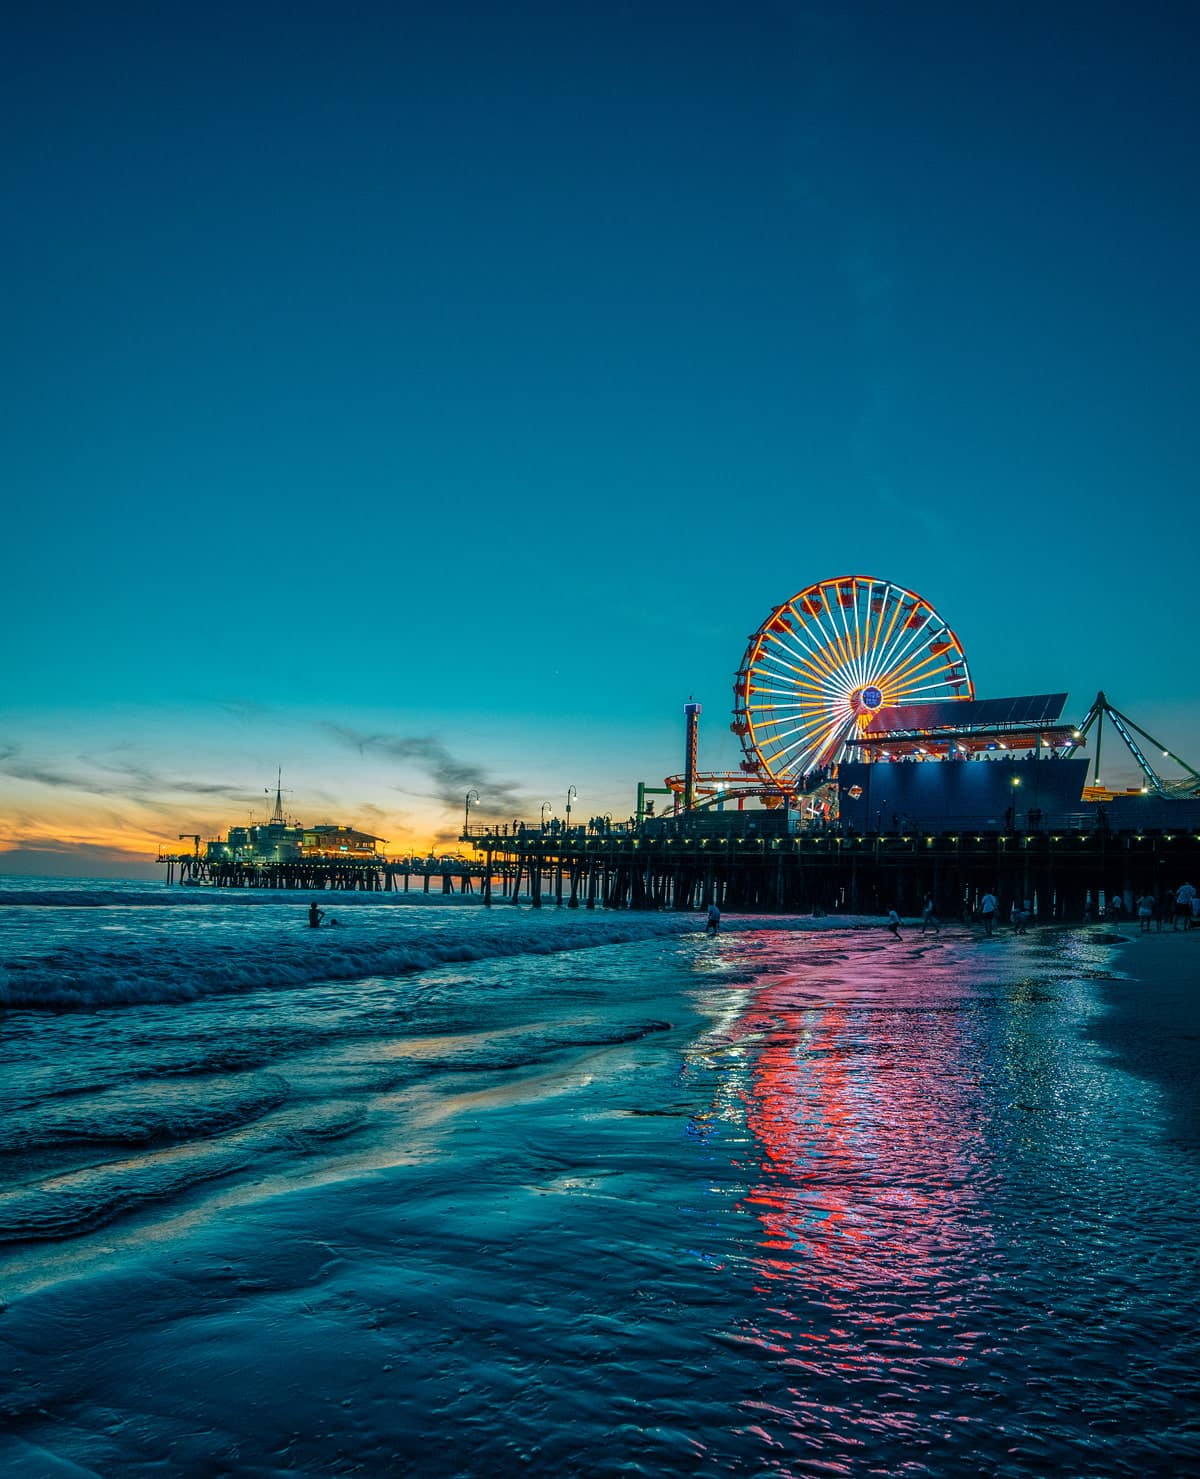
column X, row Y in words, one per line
column 1032, row 710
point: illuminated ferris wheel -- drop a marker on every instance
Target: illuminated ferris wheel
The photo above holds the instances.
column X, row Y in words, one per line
column 824, row 663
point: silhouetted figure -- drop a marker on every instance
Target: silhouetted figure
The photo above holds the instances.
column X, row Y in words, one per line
column 315, row 915
column 987, row 912
column 714, row 920
column 929, row 918
column 893, row 923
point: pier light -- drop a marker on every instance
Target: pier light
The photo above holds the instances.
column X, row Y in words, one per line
column 1016, row 780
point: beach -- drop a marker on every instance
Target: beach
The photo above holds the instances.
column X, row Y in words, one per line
column 797, row 1199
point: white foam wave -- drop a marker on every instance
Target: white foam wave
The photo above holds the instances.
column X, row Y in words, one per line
column 77, row 976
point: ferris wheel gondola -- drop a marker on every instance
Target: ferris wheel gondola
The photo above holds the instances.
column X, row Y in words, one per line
column 827, row 661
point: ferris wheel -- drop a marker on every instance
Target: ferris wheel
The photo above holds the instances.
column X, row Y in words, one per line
column 824, row 663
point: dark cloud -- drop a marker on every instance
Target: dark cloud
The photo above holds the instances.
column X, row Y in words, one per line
column 128, row 779
column 451, row 775
column 57, row 857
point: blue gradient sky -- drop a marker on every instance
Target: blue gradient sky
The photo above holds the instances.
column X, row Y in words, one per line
column 486, row 377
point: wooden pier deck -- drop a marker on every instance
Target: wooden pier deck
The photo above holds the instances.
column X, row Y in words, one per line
column 1065, row 874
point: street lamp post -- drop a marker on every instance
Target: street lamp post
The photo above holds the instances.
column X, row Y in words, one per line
column 545, row 805
column 472, row 795
column 571, row 793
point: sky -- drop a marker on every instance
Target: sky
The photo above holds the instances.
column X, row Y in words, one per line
column 419, row 397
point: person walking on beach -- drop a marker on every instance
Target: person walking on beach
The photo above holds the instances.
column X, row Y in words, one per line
column 893, row 923
column 315, row 915
column 987, row 912
column 1184, row 895
column 1145, row 911
column 928, row 917
column 714, row 920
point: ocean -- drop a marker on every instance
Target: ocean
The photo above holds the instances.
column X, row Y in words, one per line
column 455, row 1191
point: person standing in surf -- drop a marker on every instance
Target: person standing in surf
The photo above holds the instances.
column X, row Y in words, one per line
column 315, row 915
column 714, row 920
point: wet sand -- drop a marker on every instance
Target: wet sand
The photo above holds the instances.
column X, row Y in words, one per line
column 1153, row 1025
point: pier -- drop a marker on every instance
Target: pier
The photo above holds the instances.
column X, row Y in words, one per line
column 357, row 875
column 1067, row 875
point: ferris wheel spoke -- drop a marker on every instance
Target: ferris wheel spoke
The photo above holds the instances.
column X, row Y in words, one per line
column 799, row 647
column 813, row 744
column 817, row 650
column 846, row 641
column 914, row 662
column 893, row 602
column 922, row 668
column 859, row 643
column 922, row 683
column 810, row 663
column 800, row 704
column 764, row 687
column 805, row 731
column 878, row 593
column 829, row 633
column 920, row 659
column 901, row 644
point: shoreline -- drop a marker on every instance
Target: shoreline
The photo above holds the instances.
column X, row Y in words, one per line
column 1152, row 1022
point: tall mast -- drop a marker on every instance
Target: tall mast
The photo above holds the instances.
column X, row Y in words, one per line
column 277, row 814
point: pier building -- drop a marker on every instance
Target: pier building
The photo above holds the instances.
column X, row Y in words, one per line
column 281, row 840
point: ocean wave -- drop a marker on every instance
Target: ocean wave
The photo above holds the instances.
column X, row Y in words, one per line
column 143, row 1114
column 72, row 1203
column 75, row 977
